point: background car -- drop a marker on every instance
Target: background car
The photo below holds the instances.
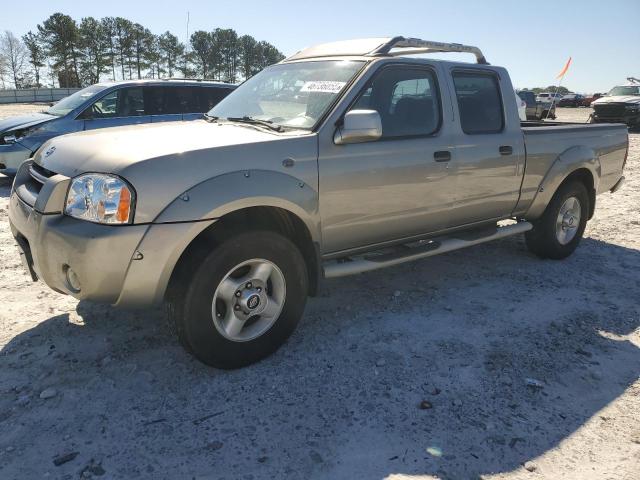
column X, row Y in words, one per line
column 587, row 99
column 571, row 100
column 548, row 97
column 536, row 110
column 107, row 105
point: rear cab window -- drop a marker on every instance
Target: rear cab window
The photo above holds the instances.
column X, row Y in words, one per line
column 479, row 102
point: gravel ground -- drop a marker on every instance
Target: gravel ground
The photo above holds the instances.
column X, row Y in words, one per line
column 90, row 391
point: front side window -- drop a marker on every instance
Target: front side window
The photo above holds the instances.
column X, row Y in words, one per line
column 124, row 102
column 295, row 95
column 407, row 100
column 479, row 102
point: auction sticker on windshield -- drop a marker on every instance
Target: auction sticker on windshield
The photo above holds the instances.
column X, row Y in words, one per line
column 322, row 86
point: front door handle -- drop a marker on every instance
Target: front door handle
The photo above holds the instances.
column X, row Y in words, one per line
column 442, row 156
column 505, row 150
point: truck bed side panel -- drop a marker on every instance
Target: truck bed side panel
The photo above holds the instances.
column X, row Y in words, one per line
column 555, row 151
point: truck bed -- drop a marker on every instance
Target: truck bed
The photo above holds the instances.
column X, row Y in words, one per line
column 547, row 142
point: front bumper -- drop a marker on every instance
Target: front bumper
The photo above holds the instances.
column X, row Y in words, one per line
column 12, row 156
column 125, row 265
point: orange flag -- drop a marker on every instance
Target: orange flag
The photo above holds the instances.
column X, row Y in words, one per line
column 564, row 70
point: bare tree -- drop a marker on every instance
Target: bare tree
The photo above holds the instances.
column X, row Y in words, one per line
column 3, row 71
column 15, row 54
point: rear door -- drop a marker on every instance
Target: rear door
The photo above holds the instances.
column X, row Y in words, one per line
column 124, row 106
column 161, row 104
column 488, row 157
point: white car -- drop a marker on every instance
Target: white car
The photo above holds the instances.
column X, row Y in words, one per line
column 548, row 97
column 522, row 107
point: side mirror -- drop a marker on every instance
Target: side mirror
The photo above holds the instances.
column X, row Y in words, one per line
column 359, row 126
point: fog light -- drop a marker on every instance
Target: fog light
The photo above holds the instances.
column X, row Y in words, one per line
column 73, row 282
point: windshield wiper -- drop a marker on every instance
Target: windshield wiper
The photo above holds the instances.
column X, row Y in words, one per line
column 210, row 118
column 254, row 121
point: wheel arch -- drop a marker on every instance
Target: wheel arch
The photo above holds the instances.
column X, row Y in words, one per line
column 257, row 217
column 577, row 163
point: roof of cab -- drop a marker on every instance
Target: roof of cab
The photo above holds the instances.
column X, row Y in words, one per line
column 383, row 47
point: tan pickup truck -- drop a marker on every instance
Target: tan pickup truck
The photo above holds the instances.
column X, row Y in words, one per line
column 345, row 157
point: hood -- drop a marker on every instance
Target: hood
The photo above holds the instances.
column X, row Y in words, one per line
column 25, row 121
column 162, row 161
column 617, row 99
column 113, row 150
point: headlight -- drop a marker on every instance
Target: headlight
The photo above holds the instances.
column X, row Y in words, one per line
column 13, row 136
column 100, row 198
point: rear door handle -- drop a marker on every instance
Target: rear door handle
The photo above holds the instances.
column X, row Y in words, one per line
column 506, row 150
column 442, row 156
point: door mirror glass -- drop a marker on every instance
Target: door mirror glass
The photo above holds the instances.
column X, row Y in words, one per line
column 359, row 126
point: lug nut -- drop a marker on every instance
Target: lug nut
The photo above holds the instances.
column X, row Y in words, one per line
column 238, row 293
column 259, row 289
column 249, row 285
column 236, row 307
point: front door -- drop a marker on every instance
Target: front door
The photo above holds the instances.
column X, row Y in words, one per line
column 395, row 187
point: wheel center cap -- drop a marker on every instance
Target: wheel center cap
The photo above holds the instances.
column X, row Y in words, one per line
column 253, row 301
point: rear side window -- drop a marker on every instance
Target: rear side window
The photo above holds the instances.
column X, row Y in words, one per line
column 211, row 96
column 479, row 102
column 160, row 101
column 407, row 100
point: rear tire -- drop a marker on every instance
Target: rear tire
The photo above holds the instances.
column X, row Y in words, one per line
column 241, row 301
column 557, row 233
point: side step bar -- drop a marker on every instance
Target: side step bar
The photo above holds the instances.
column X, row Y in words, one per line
column 368, row 262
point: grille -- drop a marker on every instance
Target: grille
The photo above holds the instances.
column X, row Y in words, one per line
column 614, row 110
column 28, row 187
column 39, row 173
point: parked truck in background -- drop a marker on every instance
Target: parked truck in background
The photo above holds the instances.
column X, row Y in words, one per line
column 620, row 105
column 344, row 158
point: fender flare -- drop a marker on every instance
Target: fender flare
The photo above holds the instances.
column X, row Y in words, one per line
column 569, row 161
column 229, row 192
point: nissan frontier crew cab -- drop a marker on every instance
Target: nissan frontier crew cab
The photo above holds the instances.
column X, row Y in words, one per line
column 344, row 158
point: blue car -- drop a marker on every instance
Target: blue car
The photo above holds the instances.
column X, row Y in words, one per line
column 107, row 105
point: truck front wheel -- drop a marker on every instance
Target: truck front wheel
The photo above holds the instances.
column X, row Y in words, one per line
column 242, row 301
column 557, row 233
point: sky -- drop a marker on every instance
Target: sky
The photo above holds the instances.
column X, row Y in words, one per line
column 533, row 40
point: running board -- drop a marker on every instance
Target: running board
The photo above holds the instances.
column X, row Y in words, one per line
column 365, row 263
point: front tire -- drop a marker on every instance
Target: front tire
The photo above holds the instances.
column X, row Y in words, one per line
column 557, row 233
column 242, row 301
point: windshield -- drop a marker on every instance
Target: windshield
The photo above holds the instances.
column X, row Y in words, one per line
column 289, row 95
column 72, row 102
column 630, row 90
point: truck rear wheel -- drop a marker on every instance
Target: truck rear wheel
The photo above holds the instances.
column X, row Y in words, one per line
column 557, row 233
column 242, row 301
